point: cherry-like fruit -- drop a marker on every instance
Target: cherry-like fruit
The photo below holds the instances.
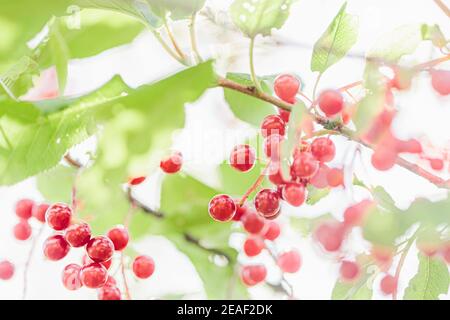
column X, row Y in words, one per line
column 6, row 270
column 222, row 208
column 22, row 230
column 94, row 275
column 172, row 164
column 331, row 102
column 289, row 261
column 109, row 293
column 39, row 212
column 349, row 270
column 58, row 216
column 56, row 247
column 253, row 246
column 305, row 165
column 119, row 236
column 323, row 149
column 388, row 284
column 100, row 249
column 78, row 235
column 71, row 277
column 286, row 87
column 242, row 158
column 273, row 125
column 253, row 222
column 143, row 267
column 24, row 208
column 267, row 202
column 294, row 194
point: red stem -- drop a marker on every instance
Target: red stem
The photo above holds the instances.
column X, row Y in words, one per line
column 254, row 186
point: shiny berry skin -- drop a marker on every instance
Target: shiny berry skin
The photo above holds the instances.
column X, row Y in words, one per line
column 119, row 236
column 253, row 222
column 286, row 87
column 323, row 149
column 331, row 102
column 349, row 270
column 440, row 79
column 273, row 125
column 254, row 274
column 319, row 180
column 143, row 267
column 78, row 235
column 242, row 158
column 94, row 275
column 272, row 231
column 24, row 208
column 305, row 165
column 58, row 216
column 267, row 202
column 388, row 284
column 253, row 246
column 56, row 247
column 109, row 293
column 111, row 282
column 294, row 194
column 355, row 214
column 136, row 181
column 22, row 230
column 86, row 260
column 330, row 235
column 71, row 277
column 173, row 163
column 6, row 270
column 335, row 177
column 275, row 174
column 284, row 115
column 39, row 211
column 240, row 211
column 222, row 208
column 290, row 261
column 100, row 249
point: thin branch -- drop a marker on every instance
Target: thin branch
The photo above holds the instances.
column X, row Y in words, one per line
column 443, row 7
column 28, row 263
column 168, row 49
column 252, row 65
column 174, row 41
column 254, row 186
column 191, row 239
column 124, row 277
column 402, row 262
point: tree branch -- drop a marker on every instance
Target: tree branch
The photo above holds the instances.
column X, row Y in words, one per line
column 443, row 7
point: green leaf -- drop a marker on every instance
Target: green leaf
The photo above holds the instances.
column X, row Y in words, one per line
column 244, row 107
column 60, row 54
column 315, row 195
column 176, row 9
column 431, row 280
column 434, row 34
column 56, row 184
column 337, row 40
column 260, row 17
column 18, row 79
column 382, row 228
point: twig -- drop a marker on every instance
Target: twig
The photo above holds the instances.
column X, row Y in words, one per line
column 254, row 186
column 174, row 41
column 124, row 277
column 443, row 7
column 401, row 263
column 28, row 263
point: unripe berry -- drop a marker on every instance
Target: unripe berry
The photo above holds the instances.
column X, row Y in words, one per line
column 330, row 235
column 242, row 158
column 119, row 236
column 335, row 177
column 100, row 249
column 289, row 261
column 58, row 216
column 222, row 208
column 323, row 149
column 71, row 277
column 349, row 270
column 173, row 163
column 252, row 222
column 388, row 284
column 267, row 202
column 294, row 194
column 331, row 102
column 273, row 125
column 286, row 87
column 6, row 270
column 143, row 267
column 56, row 247
column 39, row 211
column 109, row 293
column 253, row 246
column 305, row 165
column 440, row 79
column 24, row 208
column 272, row 231
column 22, row 230
column 94, row 275
column 78, row 235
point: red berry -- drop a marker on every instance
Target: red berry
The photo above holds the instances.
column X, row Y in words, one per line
column 58, row 216
column 323, row 149
column 383, row 255
column 222, row 208
column 24, row 208
column 143, row 267
column 305, row 165
column 286, row 87
column 94, row 275
column 242, row 158
column 119, row 236
column 253, row 222
column 86, row 260
column 319, row 180
column 273, row 125
column 100, row 249
column 436, row 164
column 272, row 146
column 173, row 163
column 388, row 284
column 331, row 102
column 284, row 115
column 355, row 214
column 56, row 247
column 330, row 235
column 22, row 230
column 254, row 274
column 240, row 212
column 6, row 270
column 409, row 146
column 384, row 158
column 136, row 181
column 267, row 202
column 335, row 177
column 349, row 270
column 253, row 246
column 275, row 175
column 294, row 194
column 39, row 212
column 109, row 293
column 77, row 235
column 272, row 231
column 440, row 79
column 71, row 277
column 111, row 282
column 289, row 261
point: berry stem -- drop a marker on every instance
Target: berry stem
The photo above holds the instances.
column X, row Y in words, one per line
column 252, row 65
column 173, row 40
column 254, row 186
column 193, row 36
column 124, row 277
column 28, row 262
column 350, row 86
column 401, row 262
column 168, row 49
column 443, row 7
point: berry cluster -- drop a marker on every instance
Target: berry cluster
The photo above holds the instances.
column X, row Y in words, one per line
column 26, row 209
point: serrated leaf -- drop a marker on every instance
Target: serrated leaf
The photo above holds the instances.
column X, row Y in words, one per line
column 315, row 195
column 18, row 79
column 60, row 54
column 244, row 107
column 260, row 17
column 337, row 40
column 431, row 280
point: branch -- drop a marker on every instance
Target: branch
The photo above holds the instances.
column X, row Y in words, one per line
column 443, row 7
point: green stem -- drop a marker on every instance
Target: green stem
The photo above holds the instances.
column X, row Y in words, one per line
column 174, row 41
column 401, row 262
column 168, row 49
column 252, row 66
column 193, row 36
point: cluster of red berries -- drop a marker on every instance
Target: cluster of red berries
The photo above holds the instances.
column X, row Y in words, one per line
column 25, row 209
